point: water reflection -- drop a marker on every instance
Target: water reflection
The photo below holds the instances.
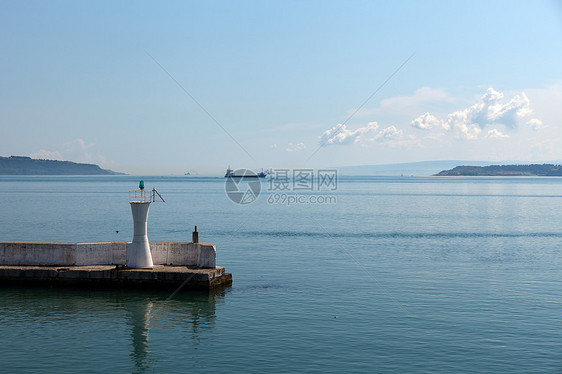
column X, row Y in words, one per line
column 139, row 320
column 128, row 328
column 193, row 312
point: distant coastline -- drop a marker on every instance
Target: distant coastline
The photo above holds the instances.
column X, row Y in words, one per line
column 545, row 170
column 22, row 165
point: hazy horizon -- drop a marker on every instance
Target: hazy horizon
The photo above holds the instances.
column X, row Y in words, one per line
column 417, row 168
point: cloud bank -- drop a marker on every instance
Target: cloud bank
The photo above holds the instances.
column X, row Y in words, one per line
column 492, row 109
column 341, row 135
column 498, row 125
column 77, row 150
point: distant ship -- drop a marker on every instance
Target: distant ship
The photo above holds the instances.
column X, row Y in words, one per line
column 245, row 173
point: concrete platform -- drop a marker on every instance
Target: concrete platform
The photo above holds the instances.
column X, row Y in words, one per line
column 111, row 276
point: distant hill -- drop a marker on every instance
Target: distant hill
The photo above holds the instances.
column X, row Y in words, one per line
column 505, row 170
column 20, row 165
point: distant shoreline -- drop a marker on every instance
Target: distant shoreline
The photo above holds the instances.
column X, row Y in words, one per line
column 23, row 165
column 536, row 170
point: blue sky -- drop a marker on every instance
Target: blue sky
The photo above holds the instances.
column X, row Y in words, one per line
column 78, row 82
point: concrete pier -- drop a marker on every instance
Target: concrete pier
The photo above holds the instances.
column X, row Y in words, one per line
column 202, row 255
column 189, row 265
column 103, row 276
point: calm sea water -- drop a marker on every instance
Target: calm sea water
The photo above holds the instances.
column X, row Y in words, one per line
column 423, row 274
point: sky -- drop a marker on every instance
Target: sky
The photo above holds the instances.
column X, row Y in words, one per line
column 176, row 86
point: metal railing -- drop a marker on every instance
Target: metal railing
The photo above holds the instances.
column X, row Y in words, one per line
column 144, row 196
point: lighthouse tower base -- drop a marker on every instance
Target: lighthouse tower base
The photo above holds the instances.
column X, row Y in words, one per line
column 138, row 251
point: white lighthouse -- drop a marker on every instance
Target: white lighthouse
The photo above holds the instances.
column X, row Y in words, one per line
column 138, row 252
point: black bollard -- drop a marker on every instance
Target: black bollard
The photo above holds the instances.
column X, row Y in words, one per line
column 195, row 236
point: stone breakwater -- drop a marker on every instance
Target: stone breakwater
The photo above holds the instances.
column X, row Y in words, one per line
column 176, row 265
column 103, row 276
column 202, row 255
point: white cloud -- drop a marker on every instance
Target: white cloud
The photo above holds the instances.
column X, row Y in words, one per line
column 496, row 134
column 491, row 109
column 387, row 133
column 295, row 147
column 341, row 135
column 496, row 112
column 81, row 142
column 46, row 155
column 535, row 123
column 81, row 146
column 428, row 121
column 467, row 131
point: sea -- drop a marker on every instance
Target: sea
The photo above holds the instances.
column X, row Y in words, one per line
column 360, row 274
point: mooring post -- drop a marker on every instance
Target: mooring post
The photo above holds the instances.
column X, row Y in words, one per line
column 195, row 236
